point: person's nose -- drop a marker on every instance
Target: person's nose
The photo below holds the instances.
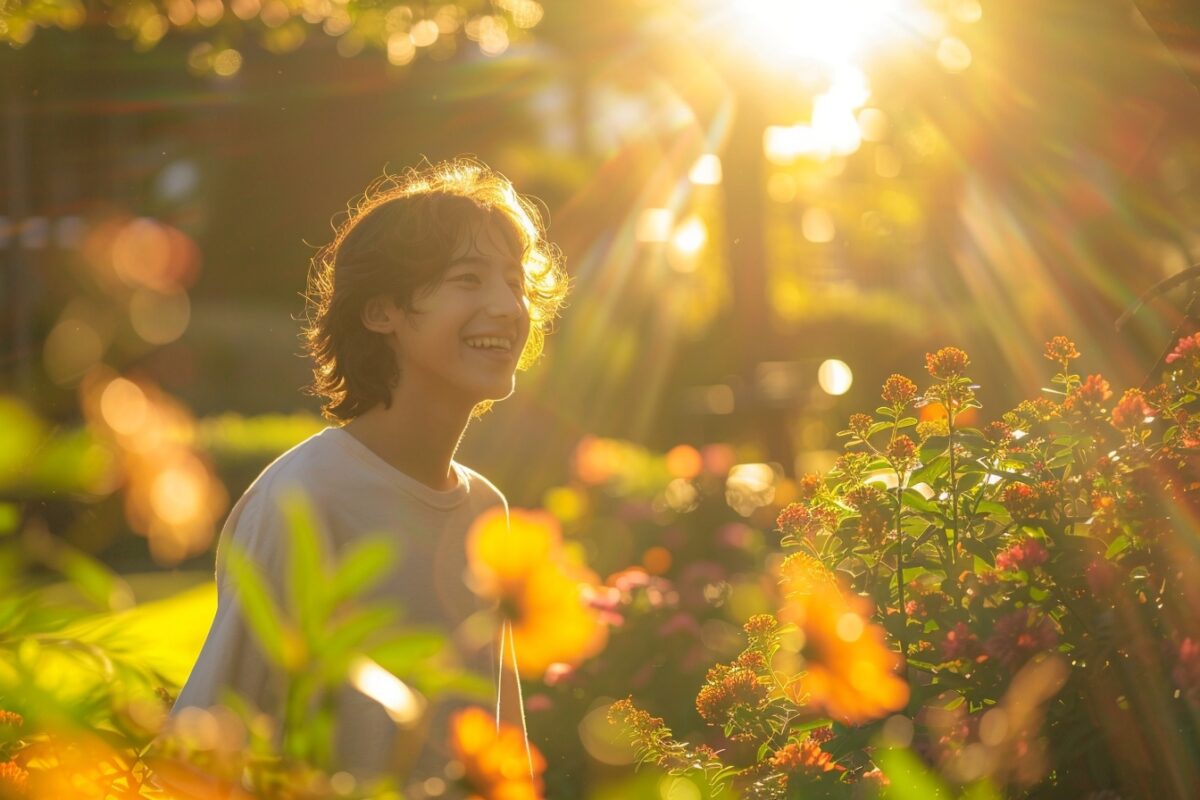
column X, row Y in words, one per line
column 505, row 302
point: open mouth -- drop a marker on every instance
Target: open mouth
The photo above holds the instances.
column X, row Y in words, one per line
column 491, row 344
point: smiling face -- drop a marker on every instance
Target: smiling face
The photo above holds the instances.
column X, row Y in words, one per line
column 464, row 335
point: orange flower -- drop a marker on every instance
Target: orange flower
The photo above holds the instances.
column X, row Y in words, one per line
column 1131, row 410
column 14, row 780
column 947, row 363
column 493, row 757
column 847, row 668
column 898, row 390
column 1060, row 348
column 804, row 758
column 519, row 564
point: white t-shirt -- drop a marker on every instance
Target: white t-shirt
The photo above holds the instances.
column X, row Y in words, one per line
column 353, row 493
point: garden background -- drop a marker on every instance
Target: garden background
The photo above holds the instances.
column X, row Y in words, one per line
column 766, row 208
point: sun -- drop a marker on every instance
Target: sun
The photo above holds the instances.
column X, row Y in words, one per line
column 785, row 32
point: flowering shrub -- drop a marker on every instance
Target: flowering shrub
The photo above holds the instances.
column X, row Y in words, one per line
column 1015, row 606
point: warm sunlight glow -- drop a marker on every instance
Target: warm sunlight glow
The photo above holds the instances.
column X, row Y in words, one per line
column 402, row 704
column 690, row 236
column 706, row 171
column 797, row 30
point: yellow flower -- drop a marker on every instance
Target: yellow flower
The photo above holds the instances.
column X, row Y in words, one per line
column 519, row 564
column 846, row 666
column 495, row 766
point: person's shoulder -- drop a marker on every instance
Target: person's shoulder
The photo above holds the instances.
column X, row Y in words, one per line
column 303, row 465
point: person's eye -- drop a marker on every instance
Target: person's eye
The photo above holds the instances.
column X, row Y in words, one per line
column 466, row 277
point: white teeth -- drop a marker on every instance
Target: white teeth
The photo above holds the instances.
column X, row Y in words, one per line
column 490, row 342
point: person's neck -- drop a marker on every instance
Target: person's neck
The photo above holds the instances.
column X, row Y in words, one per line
column 417, row 438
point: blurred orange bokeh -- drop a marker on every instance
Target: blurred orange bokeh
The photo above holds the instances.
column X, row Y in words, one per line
column 520, row 565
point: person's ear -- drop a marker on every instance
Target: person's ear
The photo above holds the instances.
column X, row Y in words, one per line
column 379, row 314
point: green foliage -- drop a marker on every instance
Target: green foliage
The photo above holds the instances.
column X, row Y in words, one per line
column 1034, row 574
column 90, row 676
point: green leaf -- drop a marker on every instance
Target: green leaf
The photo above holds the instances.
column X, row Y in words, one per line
column 990, row 507
column 908, row 778
column 97, row 582
column 306, row 582
column 362, row 567
column 970, row 480
column 1118, row 546
column 258, row 607
column 926, row 535
column 349, row 635
column 933, row 447
column 918, row 502
column 877, row 427
column 979, row 549
column 401, row 654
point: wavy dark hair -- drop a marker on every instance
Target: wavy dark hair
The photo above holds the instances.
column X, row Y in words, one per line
column 397, row 239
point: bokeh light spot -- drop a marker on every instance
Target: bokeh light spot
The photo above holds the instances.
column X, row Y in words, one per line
column 123, row 406
column 834, row 377
column 604, row 742
column 678, row 788
column 424, row 33
column 227, row 62
column 706, row 171
column 159, row 318
column 817, row 225
column 953, row 54
column 72, row 348
column 684, row 461
column 850, row 627
column 657, row 560
column 400, row 49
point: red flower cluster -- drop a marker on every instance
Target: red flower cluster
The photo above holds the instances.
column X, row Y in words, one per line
column 998, row 432
column 1188, row 347
column 1060, row 348
column 14, row 779
column 1019, row 636
column 898, row 390
column 947, row 363
column 729, row 689
column 960, row 642
column 902, row 451
column 798, row 519
column 1024, row 555
column 1093, row 391
column 1024, row 501
column 874, row 518
column 760, row 625
column 804, row 757
column 860, row 425
column 1131, row 410
column 808, row 486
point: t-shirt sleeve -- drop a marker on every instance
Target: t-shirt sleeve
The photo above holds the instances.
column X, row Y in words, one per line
column 232, row 658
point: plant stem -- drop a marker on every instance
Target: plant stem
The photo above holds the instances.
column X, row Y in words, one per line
column 952, row 549
column 900, row 574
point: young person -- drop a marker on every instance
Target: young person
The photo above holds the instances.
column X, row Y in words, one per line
column 435, row 290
